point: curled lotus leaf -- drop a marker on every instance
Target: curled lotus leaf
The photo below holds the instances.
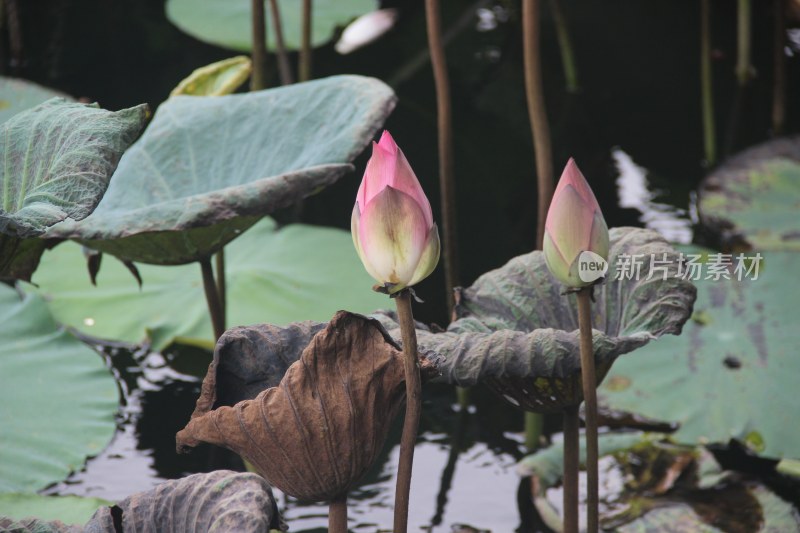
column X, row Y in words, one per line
column 35, row 525
column 518, row 334
column 216, row 79
column 315, row 433
column 208, row 167
column 215, row 502
column 750, row 201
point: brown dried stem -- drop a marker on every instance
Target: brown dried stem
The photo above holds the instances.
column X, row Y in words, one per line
column 212, row 298
column 258, row 79
column 337, row 515
column 413, row 410
column 304, row 68
column 284, row 69
column 571, row 461
column 779, row 76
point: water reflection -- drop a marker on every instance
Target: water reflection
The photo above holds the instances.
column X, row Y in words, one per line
column 634, row 192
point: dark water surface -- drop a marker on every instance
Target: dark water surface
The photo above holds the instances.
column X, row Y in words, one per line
column 634, row 129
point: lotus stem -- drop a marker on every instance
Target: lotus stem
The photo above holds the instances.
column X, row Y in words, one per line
column 588, row 378
column 533, row 430
column 571, row 461
column 413, row 410
column 536, row 112
column 222, row 289
column 706, row 87
column 445, row 129
column 212, row 298
column 337, row 515
column 779, row 73
column 744, row 42
column 284, row 69
column 304, row 68
column 565, row 46
column 258, row 79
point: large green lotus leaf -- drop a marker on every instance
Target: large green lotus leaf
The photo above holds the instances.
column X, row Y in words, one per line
column 57, row 401
column 217, row 502
column 296, row 273
column 517, row 333
column 216, row 79
column 227, row 23
column 650, row 484
column 732, row 373
column 66, row 509
column 59, row 157
column 753, row 200
column 208, row 167
column 17, row 95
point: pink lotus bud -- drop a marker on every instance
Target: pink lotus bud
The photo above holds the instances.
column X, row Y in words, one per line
column 574, row 225
column 392, row 222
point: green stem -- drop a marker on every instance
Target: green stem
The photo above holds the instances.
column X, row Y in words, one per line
column 413, row 410
column 565, row 46
column 589, row 380
column 536, row 112
column 284, row 69
column 706, row 87
column 533, row 430
column 444, row 125
column 304, row 68
column 743, row 43
column 337, row 515
column 222, row 290
column 779, row 66
column 258, row 79
column 571, row 462
column 212, row 298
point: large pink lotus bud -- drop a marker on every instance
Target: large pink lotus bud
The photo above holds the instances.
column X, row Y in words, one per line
column 392, row 223
column 575, row 225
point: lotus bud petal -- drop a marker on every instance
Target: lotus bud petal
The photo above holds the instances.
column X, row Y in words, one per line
column 574, row 224
column 392, row 222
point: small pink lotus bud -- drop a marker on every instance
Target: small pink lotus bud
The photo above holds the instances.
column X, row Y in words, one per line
column 574, row 225
column 392, row 223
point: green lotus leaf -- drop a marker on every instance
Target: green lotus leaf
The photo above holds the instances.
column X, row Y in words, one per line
column 59, row 157
column 208, row 167
column 216, row 79
column 649, row 483
column 17, row 95
column 66, row 509
column 752, row 200
column 57, row 402
column 216, row 502
column 517, row 333
column 227, row 24
column 276, row 275
column 734, row 364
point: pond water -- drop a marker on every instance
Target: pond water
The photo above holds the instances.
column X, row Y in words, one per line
column 634, row 128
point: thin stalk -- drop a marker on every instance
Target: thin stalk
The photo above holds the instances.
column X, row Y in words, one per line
column 258, row 79
column 284, row 69
column 589, row 381
column 444, row 125
column 779, row 73
column 706, row 87
column 413, row 410
column 565, row 46
column 212, row 298
column 304, row 68
column 337, row 515
column 222, row 289
column 14, row 33
column 533, row 430
column 534, row 94
column 744, row 40
column 571, row 462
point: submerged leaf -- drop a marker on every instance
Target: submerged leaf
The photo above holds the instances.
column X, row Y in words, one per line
column 735, row 363
column 316, row 433
column 207, row 168
column 751, row 201
column 57, row 401
column 17, row 95
column 216, row 502
column 518, row 334
column 67, row 509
